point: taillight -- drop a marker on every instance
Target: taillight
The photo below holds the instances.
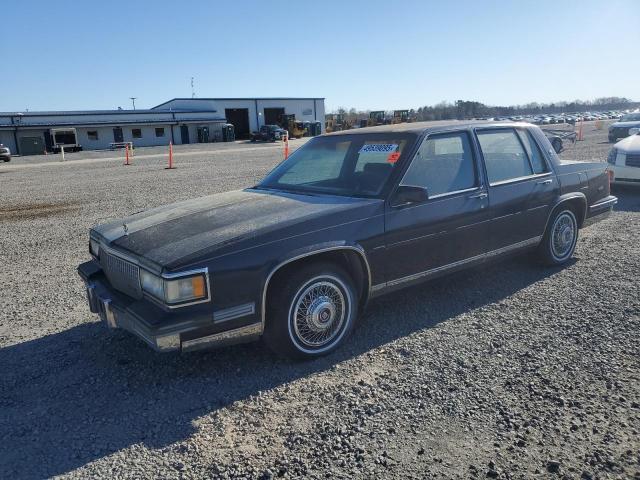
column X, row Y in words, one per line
column 610, row 172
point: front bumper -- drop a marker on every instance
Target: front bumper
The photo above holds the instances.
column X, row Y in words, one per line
column 192, row 329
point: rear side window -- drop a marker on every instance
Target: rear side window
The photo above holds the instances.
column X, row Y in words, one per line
column 503, row 154
column 443, row 164
column 535, row 155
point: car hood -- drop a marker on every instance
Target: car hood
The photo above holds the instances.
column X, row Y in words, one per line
column 630, row 144
column 172, row 235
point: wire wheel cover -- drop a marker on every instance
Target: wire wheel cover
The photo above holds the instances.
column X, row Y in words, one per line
column 319, row 314
column 563, row 235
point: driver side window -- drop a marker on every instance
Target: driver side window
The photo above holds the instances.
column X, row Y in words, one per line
column 443, row 164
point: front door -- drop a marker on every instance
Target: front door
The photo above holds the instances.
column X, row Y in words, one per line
column 118, row 137
column 184, row 134
column 521, row 186
column 451, row 227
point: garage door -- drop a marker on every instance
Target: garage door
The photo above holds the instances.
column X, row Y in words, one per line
column 272, row 116
column 239, row 117
column 31, row 145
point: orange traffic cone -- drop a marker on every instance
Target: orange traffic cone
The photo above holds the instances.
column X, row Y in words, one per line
column 286, row 146
column 170, row 167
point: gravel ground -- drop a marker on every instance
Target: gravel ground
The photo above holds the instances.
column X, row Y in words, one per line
column 512, row 371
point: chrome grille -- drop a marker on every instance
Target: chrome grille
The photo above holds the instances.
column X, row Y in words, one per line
column 633, row 160
column 122, row 274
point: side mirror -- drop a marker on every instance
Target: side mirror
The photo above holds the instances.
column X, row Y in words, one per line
column 408, row 194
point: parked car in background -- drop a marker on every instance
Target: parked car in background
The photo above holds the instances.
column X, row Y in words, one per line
column 624, row 159
column 620, row 129
column 5, row 153
column 555, row 140
column 268, row 133
column 347, row 217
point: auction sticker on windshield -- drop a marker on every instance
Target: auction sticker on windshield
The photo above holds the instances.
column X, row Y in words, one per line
column 379, row 148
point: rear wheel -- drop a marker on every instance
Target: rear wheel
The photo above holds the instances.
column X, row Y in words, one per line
column 311, row 312
column 560, row 239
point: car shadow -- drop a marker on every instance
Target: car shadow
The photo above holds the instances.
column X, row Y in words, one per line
column 79, row 395
column 628, row 197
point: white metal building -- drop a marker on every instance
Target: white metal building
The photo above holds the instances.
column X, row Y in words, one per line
column 181, row 120
column 249, row 114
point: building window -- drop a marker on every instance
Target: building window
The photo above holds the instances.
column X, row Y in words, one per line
column 92, row 134
column 136, row 133
column 159, row 132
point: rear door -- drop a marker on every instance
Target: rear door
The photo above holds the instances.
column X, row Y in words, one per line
column 521, row 186
column 451, row 225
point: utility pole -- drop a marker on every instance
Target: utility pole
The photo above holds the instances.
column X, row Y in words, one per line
column 133, row 101
column 193, row 92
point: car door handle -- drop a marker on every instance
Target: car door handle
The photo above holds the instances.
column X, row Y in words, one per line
column 479, row 196
column 545, row 182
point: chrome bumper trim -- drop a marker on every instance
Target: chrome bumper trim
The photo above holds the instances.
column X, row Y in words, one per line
column 604, row 205
column 235, row 336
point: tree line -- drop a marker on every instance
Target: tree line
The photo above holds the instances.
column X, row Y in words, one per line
column 466, row 109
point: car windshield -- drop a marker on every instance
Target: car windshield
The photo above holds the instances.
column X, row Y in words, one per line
column 632, row 117
column 351, row 165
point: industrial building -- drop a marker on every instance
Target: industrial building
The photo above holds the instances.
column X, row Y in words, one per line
column 181, row 120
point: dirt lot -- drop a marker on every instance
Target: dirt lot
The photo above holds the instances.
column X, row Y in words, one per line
column 514, row 371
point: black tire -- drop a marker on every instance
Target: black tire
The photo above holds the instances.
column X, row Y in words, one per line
column 560, row 238
column 292, row 333
column 557, row 145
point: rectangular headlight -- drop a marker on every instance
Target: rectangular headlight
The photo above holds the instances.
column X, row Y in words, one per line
column 172, row 291
column 94, row 247
column 185, row 289
column 152, row 284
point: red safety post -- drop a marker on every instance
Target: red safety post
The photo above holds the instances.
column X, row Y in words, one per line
column 170, row 167
column 286, row 146
column 126, row 154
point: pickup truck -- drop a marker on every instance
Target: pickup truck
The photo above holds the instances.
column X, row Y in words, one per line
column 349, row 216
column 268, row 133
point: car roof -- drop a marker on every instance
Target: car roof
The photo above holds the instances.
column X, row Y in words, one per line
column 421, row 127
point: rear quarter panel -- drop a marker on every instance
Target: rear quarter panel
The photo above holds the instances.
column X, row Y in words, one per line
column 588, row 178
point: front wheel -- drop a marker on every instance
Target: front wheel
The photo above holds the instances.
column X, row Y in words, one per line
column 311, row 312
column 560, row 239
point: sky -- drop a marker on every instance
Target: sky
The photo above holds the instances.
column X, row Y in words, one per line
column 71, row 55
